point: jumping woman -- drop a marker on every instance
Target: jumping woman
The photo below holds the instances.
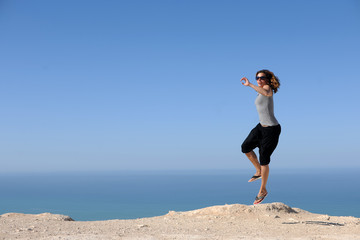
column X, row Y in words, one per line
column 265, row 135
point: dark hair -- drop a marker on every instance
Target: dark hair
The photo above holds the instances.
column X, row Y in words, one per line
column 272, row 80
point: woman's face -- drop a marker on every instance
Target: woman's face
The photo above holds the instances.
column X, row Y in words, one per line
column 261, row 79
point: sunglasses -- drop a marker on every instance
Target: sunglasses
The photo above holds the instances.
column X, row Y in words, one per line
column 262, row 78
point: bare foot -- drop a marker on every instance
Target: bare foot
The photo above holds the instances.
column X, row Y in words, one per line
column 255, row 177
column 260, row 197
column 262, row 193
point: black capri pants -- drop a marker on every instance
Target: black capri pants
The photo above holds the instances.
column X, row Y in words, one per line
column 265, row 138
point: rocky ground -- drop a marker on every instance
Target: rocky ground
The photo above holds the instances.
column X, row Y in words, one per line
column 263, row 221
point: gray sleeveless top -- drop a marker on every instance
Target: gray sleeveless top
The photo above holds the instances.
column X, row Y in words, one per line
column 265, row 108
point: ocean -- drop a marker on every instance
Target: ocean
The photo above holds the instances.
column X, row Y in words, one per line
column 137, row 194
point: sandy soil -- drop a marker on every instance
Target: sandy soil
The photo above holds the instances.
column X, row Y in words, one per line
column 263, row 221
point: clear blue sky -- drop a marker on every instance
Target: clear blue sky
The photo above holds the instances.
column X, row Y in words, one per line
column 154, row 85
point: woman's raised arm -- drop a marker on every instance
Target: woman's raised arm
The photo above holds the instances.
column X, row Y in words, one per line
column 266, row 90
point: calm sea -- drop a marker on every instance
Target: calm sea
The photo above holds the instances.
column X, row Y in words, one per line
column 127, row 195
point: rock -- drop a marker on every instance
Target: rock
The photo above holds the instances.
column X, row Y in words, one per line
column 57, row 217
column 278, row 207
column 143, row 226
column 324, row 217
column 37, row 217
column 218, row 222
column 171, row 213
column 239, row 209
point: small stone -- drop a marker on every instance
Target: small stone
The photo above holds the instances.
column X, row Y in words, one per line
column 143, row 226
column 324, row 217
column 171, row 213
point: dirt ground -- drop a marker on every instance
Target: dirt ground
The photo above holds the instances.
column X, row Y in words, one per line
column 263, row 221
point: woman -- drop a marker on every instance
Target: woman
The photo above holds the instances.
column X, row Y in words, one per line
column 266, row 134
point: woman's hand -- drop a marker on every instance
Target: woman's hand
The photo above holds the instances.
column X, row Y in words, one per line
column 245, row 81
column 265, row 90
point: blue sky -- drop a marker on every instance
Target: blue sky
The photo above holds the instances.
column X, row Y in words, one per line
column 154, row 85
